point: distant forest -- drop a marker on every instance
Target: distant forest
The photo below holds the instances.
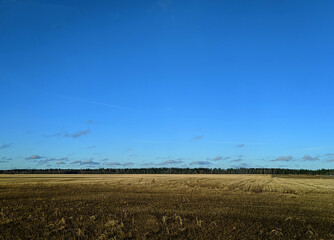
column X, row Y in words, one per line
column 172, row 171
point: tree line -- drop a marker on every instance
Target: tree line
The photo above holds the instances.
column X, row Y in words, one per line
column 172, row 171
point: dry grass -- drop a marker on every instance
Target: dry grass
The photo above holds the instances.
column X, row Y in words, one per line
column 166, row 207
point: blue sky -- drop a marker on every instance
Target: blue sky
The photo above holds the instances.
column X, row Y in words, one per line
column 166, row 83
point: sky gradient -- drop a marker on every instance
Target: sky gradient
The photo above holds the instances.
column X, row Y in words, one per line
column 91, row 84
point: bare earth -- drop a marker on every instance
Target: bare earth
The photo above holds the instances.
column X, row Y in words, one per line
column 166, row 207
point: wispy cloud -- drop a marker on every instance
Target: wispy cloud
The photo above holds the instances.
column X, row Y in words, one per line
column 164, row 4
column 49, row 160
column 240, row 145
column 145, row 141
column 329, row 154
column 330, row 160
column 148, row 164
column 67, row 134
column 6, row 158
column 60, row 162
column 236, row 142
column 200, row 163
column 90, row 121
column 309, row 158
column 76, row 162
column 34, row 157
column 43, row 162
column 283, row 159
column 92, row 102
column 236, row 160
column 241, row 165
column 77, row 134
column 160, row 5
column 58, row 134
column 128, row 149
column 128, row 164
column 88, row 162
column 6, row 145
column 115, row 164
column 311, row 148
column 218, row 158
column 172, row 161
column 91, row 147
column 196, row 138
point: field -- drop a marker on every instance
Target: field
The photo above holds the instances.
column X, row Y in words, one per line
column 166, row 207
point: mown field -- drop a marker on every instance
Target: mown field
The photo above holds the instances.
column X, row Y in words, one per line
column 166, row 207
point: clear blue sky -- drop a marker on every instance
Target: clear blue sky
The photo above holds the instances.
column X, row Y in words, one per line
column 166, row 83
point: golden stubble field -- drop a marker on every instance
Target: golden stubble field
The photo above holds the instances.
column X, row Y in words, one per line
column 166, row 207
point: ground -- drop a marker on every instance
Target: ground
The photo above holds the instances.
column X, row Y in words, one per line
column 166, row 207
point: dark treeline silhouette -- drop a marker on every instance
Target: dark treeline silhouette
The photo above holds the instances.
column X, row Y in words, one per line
column 171, row 171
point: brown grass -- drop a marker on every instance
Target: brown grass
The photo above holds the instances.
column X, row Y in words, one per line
column 166, row 207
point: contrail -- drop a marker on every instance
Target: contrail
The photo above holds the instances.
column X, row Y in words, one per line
column 234, row 142
column 92, row 102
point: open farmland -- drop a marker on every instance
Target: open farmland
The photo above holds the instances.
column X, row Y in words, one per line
column 166, row 207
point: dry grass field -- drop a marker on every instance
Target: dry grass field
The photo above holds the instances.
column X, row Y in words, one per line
column 166, row 207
